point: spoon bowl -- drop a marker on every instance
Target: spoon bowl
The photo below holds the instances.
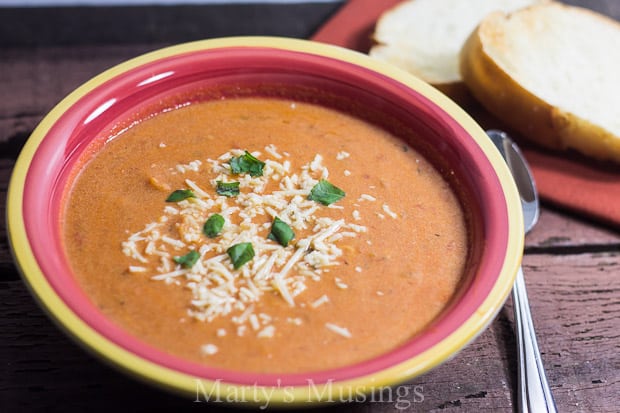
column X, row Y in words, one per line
column 522, row 176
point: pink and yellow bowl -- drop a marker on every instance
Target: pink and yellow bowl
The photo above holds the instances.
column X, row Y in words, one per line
column 284, row 67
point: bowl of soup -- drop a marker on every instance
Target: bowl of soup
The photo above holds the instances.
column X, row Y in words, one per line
column 265, row 216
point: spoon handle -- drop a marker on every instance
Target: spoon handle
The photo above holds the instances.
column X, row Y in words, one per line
column 534, row 393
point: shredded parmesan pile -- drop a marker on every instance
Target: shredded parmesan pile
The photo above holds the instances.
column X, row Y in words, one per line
column 218, row 289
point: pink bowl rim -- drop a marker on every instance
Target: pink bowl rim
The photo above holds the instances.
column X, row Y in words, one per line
column 494, row 188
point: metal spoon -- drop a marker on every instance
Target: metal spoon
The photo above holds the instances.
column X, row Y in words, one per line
column 534, row 393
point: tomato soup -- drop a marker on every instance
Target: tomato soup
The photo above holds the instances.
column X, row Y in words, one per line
column 265, row 235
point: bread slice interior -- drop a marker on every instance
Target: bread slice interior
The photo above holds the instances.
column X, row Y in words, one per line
column 553, row 73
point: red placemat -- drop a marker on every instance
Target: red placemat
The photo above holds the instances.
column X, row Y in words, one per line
column 568, row 181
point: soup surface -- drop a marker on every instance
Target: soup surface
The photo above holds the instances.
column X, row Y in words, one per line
column 334, row 280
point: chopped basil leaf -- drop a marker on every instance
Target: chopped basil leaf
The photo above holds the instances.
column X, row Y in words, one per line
column 325, row 193
column 281, row 232
column 227, row 188
column 179, row 195
column 240, row 254
column 247, row 163
column 188, row 260
column 213, row 226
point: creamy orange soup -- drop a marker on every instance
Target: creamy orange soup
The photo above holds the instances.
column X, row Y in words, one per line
column 360, row 276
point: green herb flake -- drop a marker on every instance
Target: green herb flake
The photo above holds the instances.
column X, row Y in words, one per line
column 179, row 195
column 188, row 260
column 281, row 232
column 213, row 226
column 247, row 163
column 227, row 188
column 325, row 193
column 240, row 254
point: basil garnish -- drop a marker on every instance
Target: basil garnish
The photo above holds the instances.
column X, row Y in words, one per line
column 325, row 193
column 281, row 232
column 213, row 226
column 179, row 195
column 247, row 163
column 227, row 188
column 188, row 260
column 240, row 254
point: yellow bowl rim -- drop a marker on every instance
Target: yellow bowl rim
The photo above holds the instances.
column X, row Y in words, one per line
column 289, row 395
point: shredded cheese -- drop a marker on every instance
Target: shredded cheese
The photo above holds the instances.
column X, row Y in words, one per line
column 319, row 301
column 388, row 211
column 340, row 284
column 217, row 289
column 344, row 332
column 294, row 320
column 342, row 155
column 209, row 349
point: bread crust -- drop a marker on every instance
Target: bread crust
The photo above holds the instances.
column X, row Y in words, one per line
column 405, row 47
column 536, row 119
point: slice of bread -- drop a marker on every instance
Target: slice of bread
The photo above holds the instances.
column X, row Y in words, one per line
column 551, row 72
column 425, row 37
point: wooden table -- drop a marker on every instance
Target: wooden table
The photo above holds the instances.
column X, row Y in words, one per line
column 572, row 265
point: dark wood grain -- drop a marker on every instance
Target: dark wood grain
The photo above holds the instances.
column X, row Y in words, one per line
column 27, row 28
column 572, row 265
column 576, row 309
column 566, row 233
